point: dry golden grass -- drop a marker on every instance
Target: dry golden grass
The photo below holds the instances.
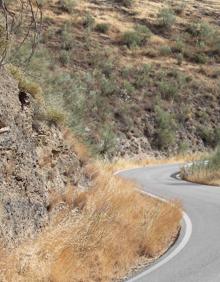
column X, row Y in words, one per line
column 78, row 147
column 205, row 177
column 203, row 172
column 111, row 229
column 120, row 164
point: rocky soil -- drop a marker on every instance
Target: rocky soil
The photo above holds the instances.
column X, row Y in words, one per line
column 35, row 164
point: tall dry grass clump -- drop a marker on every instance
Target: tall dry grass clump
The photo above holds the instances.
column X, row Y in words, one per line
column 113, row 229
column 206, row 170
column 129, row 163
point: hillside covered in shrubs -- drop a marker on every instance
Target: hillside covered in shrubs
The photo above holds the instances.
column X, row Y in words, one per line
column 131, row 77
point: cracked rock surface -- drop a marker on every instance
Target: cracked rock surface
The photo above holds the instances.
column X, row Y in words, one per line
column 35, row 162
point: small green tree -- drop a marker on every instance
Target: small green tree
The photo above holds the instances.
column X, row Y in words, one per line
column 166, row 126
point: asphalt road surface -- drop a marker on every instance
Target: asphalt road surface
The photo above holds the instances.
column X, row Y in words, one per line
column 199, row 259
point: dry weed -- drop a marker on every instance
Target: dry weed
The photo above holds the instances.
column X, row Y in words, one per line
column 112, row 229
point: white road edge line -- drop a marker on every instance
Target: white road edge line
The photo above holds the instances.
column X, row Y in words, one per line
column 180, row 246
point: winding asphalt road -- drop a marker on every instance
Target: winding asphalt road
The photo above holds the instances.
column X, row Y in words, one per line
column 199, row 260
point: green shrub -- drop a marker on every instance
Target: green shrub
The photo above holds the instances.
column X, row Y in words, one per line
column 183, row 147
column 64, row 57
column 67, row 39
column 165, row 51
column 179, row 45
column 128, row 87
column 210, row 136
column 166, row 125
column 179, row 7
column 206, row 134
column 136, row 38
column 179, row 58
column 67, row 5
column 108, row 140
column 168, row 89
column 102, row 27
column 200, row 58
column 54, row 116
column 125, row 3
column 166, row 18
column 42, row 3
column 88, row 21
column 217, row 136
column 203, row 32
column 206, row 33
column 108, row 87
column 131, row 39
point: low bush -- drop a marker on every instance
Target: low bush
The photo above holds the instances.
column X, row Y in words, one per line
column 138, row 37
column 206, row 134
column 108, row 141
column 203, row 32
column 165, row 51
column 67, row 5
column 102, row 27
column 165, row 133
column 210, row 136
column 200, row 58
column 179, row 58
column 64, row 57
column 55, row 116
column 66, row 37
column 168, row 90
column 88, row 21
column 179, row 7
column 166, row 18
column 125, row 3
column 108, row 87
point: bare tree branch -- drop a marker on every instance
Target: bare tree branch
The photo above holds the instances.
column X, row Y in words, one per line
column 24, row 16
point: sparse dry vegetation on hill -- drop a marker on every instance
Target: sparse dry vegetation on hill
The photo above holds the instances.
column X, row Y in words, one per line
column 124, row 64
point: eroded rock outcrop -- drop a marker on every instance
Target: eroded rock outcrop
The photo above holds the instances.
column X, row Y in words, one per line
column 34, row 163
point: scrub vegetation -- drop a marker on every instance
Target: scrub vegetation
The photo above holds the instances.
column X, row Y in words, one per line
column 206, row 170
column 115, row 67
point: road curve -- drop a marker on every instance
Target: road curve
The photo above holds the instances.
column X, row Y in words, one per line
column 199, row 260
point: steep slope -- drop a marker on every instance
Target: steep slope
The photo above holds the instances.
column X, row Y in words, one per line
column 133, row 79
column 35, row 164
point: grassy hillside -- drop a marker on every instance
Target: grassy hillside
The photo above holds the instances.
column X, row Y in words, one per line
column 132, row 77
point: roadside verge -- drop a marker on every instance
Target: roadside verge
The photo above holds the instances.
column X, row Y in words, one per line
column 173, row 250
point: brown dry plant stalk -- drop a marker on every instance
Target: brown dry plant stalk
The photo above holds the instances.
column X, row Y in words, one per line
column 115, row 229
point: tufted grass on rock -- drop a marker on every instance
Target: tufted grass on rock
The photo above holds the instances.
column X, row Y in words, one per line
column 26, row 84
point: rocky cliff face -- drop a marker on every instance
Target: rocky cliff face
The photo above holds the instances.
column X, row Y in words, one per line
column 34, row 164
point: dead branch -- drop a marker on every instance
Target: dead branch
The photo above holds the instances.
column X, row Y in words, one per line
column 23, row 15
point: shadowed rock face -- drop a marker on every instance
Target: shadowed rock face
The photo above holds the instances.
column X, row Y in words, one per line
column 34, row 163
